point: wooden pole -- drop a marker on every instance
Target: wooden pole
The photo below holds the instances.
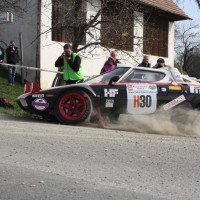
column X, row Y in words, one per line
column 21, row 56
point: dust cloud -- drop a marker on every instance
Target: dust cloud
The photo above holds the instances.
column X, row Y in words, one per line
column 180, row 123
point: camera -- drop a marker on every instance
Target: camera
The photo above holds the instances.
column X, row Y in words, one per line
column 67, row 54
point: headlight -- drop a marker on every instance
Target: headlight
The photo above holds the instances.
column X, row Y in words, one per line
column 23, row 102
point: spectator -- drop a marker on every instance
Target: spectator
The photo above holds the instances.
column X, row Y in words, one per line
column 1, row 54
column 71, row 63
column 160, row 63
column 145, row 62
column 114, row 56
column 108, row 66
column 12, row 54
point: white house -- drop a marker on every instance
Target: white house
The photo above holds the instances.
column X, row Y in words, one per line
column 41, row 46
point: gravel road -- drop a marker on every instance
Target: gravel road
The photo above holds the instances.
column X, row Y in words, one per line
column 40, row 160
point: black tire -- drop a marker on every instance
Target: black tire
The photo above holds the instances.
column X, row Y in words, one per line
column 73, row 107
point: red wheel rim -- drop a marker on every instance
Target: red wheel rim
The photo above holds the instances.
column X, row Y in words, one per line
column 72, row 106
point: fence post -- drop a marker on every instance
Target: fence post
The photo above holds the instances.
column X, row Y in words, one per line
column 21, row 56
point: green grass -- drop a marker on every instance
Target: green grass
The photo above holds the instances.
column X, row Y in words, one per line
column 11, row 93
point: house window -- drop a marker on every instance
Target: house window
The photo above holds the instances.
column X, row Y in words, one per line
column 156, row 30
column 68, row 18
column 116, row 27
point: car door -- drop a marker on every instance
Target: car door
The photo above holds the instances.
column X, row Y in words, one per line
column 142, row 91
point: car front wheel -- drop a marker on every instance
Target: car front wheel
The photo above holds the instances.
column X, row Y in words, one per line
column 73, row 107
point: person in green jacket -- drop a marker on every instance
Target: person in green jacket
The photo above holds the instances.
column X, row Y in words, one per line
column 71, row 63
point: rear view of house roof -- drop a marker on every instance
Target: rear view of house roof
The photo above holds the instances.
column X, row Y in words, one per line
column 167, row 6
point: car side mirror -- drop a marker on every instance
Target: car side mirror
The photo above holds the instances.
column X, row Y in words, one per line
column 113, row 79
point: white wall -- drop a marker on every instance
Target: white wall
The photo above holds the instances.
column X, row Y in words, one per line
column 171, row 44
column 49, row 50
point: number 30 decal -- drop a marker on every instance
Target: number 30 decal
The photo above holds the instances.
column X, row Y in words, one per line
column 142, row 101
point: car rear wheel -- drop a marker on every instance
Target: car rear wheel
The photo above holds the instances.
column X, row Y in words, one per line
column 73, row 107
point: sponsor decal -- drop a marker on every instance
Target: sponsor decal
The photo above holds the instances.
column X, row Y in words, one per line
column 129, row 88
column 152, row 87
column 38, row 95
column 40, row 104
column 174, row 87
column 109, row 103
column 174, row 102
column 195, row 89
column 142, row 88
column 110, row 92
column 163, row 89
column 178, row 76
column 142, row 101
column 142, row 98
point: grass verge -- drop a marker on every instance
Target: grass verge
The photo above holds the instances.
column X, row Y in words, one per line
column 11, row 93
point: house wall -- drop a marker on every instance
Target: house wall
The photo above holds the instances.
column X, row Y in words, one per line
column 26, row 23
column 49, row 51
column 93, row 59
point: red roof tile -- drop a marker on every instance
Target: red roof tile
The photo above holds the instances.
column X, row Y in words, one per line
column 166, row 5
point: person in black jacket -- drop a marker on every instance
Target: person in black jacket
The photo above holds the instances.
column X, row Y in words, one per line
column 145, row 62
column 1, row 54
column 12, row 54
column 160, row 64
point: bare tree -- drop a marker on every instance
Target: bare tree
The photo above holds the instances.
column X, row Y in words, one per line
column 187, row 39
column 14, row 5
column 111, row 25
column 194, row 69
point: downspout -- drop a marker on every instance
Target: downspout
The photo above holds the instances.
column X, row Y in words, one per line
column 37, row 75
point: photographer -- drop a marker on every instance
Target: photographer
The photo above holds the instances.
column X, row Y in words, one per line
column 12, row 54
column 71, row 63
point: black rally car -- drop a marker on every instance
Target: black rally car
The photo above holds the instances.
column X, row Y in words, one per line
column 126, row 90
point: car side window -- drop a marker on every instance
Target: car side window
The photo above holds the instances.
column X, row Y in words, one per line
column 108, row 75
column 143, row 76
column 117, row 72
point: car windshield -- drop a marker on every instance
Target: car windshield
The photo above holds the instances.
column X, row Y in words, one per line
column 138, row 75
column 120, row 71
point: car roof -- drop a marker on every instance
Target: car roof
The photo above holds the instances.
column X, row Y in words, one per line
column 124, row 65
column 172, row 74
column 190, row 79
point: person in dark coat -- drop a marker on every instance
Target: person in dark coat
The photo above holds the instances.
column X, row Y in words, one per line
column 1, row 54
column 12, row 54
column 160, row 64
column 145, row 62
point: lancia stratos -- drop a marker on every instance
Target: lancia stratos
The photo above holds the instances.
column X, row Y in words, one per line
column 126, row 90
